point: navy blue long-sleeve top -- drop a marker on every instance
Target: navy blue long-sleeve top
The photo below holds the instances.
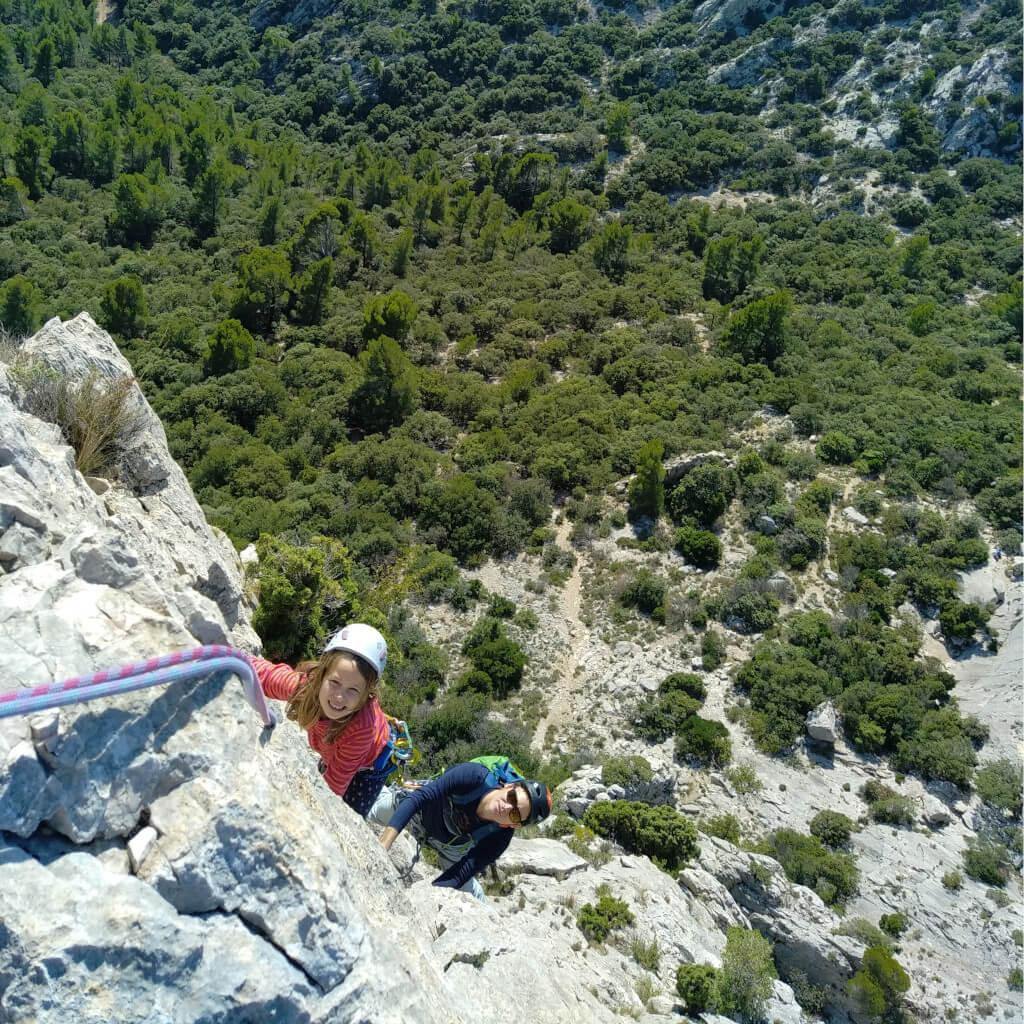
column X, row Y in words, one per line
column 447, row 821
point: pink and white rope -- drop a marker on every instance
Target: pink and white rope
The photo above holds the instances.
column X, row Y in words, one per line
column 167, row 668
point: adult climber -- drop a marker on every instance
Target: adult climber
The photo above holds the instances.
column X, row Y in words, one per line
column 468, row 815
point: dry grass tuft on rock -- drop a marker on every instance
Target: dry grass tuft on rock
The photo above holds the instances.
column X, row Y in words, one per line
column 98, row 417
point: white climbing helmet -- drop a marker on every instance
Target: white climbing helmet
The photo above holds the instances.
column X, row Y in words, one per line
column 367, row 642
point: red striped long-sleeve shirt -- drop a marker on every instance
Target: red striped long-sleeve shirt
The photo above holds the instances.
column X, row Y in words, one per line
column 358, row 747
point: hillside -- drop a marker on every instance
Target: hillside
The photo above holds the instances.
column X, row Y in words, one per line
column 648, row 373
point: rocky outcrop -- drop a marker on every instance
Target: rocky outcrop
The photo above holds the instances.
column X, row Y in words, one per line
column 163, row 857
column 585, row 787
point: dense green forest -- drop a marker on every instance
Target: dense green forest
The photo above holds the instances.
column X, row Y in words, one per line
column 403, row 278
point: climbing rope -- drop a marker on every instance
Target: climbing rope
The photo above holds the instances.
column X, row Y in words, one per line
column 168, row 668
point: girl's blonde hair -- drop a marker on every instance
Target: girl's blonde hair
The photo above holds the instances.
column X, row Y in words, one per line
column 304, row 704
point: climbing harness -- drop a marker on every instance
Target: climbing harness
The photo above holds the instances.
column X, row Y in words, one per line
column 169, row 668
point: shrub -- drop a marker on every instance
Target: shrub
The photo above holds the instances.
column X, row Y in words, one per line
column 646, row 954
column 698, row 547
column 960, row 621
column 697, row 987
column 702, row 495
column 878, row 987
column 833, row 876
column 597, row 921
column 296, row 585
column 100, row 417
column 751, row 611
column 953, row 880
column 703, row 741
column 835, row 447
column 893, row 924
column 1000, row 783
column 646, row 592
column 626, row 771
column 501, row 607
column 745, row 980
column 660, row 832
column 684, row 682
column 986, row 861
column 898, row 810
column 723, row 826
column 744, row 779
column 1015, row 979
column 832, row 828
column 662, row 717
column 712, row 650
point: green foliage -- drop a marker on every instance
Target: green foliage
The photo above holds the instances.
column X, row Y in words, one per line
column 747, row 973
column 123, row 306
column 390, row 316
column 597, row 921
column 832, row 828
column 658, row 832
column 697, row 987
column 886, row 805
column 893, row 924
column 647, row 488
column 723, row 826
column 985, row 860
column 388, row 392
column 953, row 880
column 1000, row 783
column 626, row 771
column 19, row 306
column 712, row 650
column 806, row 861
column 698, row 547
column 960, row 620
column 644, row 591
column 703, row 742
column 703, row 494
column 877, row 988
column 757, row 332
column 658, row 718
column 297, row 586
column 230, row 348
column 498, row 662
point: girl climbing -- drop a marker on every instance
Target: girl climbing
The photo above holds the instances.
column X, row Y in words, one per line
column 335, row 701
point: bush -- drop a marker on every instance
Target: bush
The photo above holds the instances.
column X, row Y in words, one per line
column 878, row 987
column 833, row 876
column 296, row 585
column 986, row 861
column 953, row 880
column 704, row 742
column 646, row 592
column 893, row 924
column 697, row 987
column 832, row 828
column 684, row 682
column 835, row 447
column 1000, row 783
column 1015, row 979
column 660, row 832
column 597, row 921
column 897, row 810
column 662, row 717
column 744, row 779
column 960, row 621
column 750, row 612
column 723, row 826
column 712, row 650
column 501, row 608
column 745, row 980
column 698, row 547
column 626, row 771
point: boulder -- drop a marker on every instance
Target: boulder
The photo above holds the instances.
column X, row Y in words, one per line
column 822, row 724
column 851, row 515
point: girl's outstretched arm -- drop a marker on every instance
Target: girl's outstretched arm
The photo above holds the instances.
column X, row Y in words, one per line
column 278, row 681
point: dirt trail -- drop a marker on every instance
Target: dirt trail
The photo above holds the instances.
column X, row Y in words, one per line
column 572, row 631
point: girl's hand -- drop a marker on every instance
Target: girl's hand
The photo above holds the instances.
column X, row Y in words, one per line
column 387, row 837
